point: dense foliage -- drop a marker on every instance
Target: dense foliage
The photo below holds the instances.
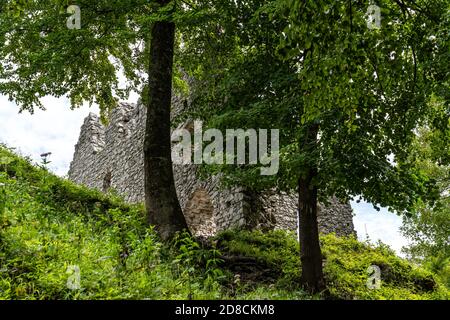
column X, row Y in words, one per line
column 48, row 224
column 429, row 227
column 292, row 65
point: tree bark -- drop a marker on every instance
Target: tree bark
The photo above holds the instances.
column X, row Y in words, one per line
column 310, row 254
column 162, row 205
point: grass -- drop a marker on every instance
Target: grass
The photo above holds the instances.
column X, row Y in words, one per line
column 63, row 241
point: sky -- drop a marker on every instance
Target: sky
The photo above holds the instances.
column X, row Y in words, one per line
column 57, row 128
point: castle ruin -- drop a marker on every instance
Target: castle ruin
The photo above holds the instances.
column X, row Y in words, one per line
column 111, row 157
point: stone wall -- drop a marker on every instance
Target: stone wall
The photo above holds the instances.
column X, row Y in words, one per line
column 278, row 210
column 112, row 157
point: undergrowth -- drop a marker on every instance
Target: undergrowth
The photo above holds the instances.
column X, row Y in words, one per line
column 63, row 241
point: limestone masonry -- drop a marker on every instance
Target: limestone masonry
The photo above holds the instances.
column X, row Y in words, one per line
column 111, row 157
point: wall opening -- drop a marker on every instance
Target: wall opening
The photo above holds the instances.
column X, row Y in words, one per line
column 107, row 181
column 199, row 214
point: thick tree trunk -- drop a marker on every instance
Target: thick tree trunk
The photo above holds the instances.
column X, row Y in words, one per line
column 310, row 253
column 162, row 205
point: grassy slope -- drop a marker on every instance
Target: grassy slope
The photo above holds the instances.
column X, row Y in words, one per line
column 48, row 224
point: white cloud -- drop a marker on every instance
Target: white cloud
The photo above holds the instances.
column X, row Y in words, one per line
column 53, row 130
column 382, row 225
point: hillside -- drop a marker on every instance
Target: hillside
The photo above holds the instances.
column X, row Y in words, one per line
column 51, row 230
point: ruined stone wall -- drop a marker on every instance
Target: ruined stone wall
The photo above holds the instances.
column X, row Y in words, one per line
column 279, row 210
column 111, row 157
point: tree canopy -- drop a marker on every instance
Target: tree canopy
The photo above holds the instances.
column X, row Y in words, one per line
column 291, row 64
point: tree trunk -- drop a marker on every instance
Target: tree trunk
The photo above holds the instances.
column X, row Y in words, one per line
column 310, row 253
column 162, row 205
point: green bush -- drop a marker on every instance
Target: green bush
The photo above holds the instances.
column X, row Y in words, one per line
column 346, row 266
column 346, row 271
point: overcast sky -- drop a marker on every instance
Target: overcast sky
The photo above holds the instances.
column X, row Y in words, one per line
column 56, row 130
